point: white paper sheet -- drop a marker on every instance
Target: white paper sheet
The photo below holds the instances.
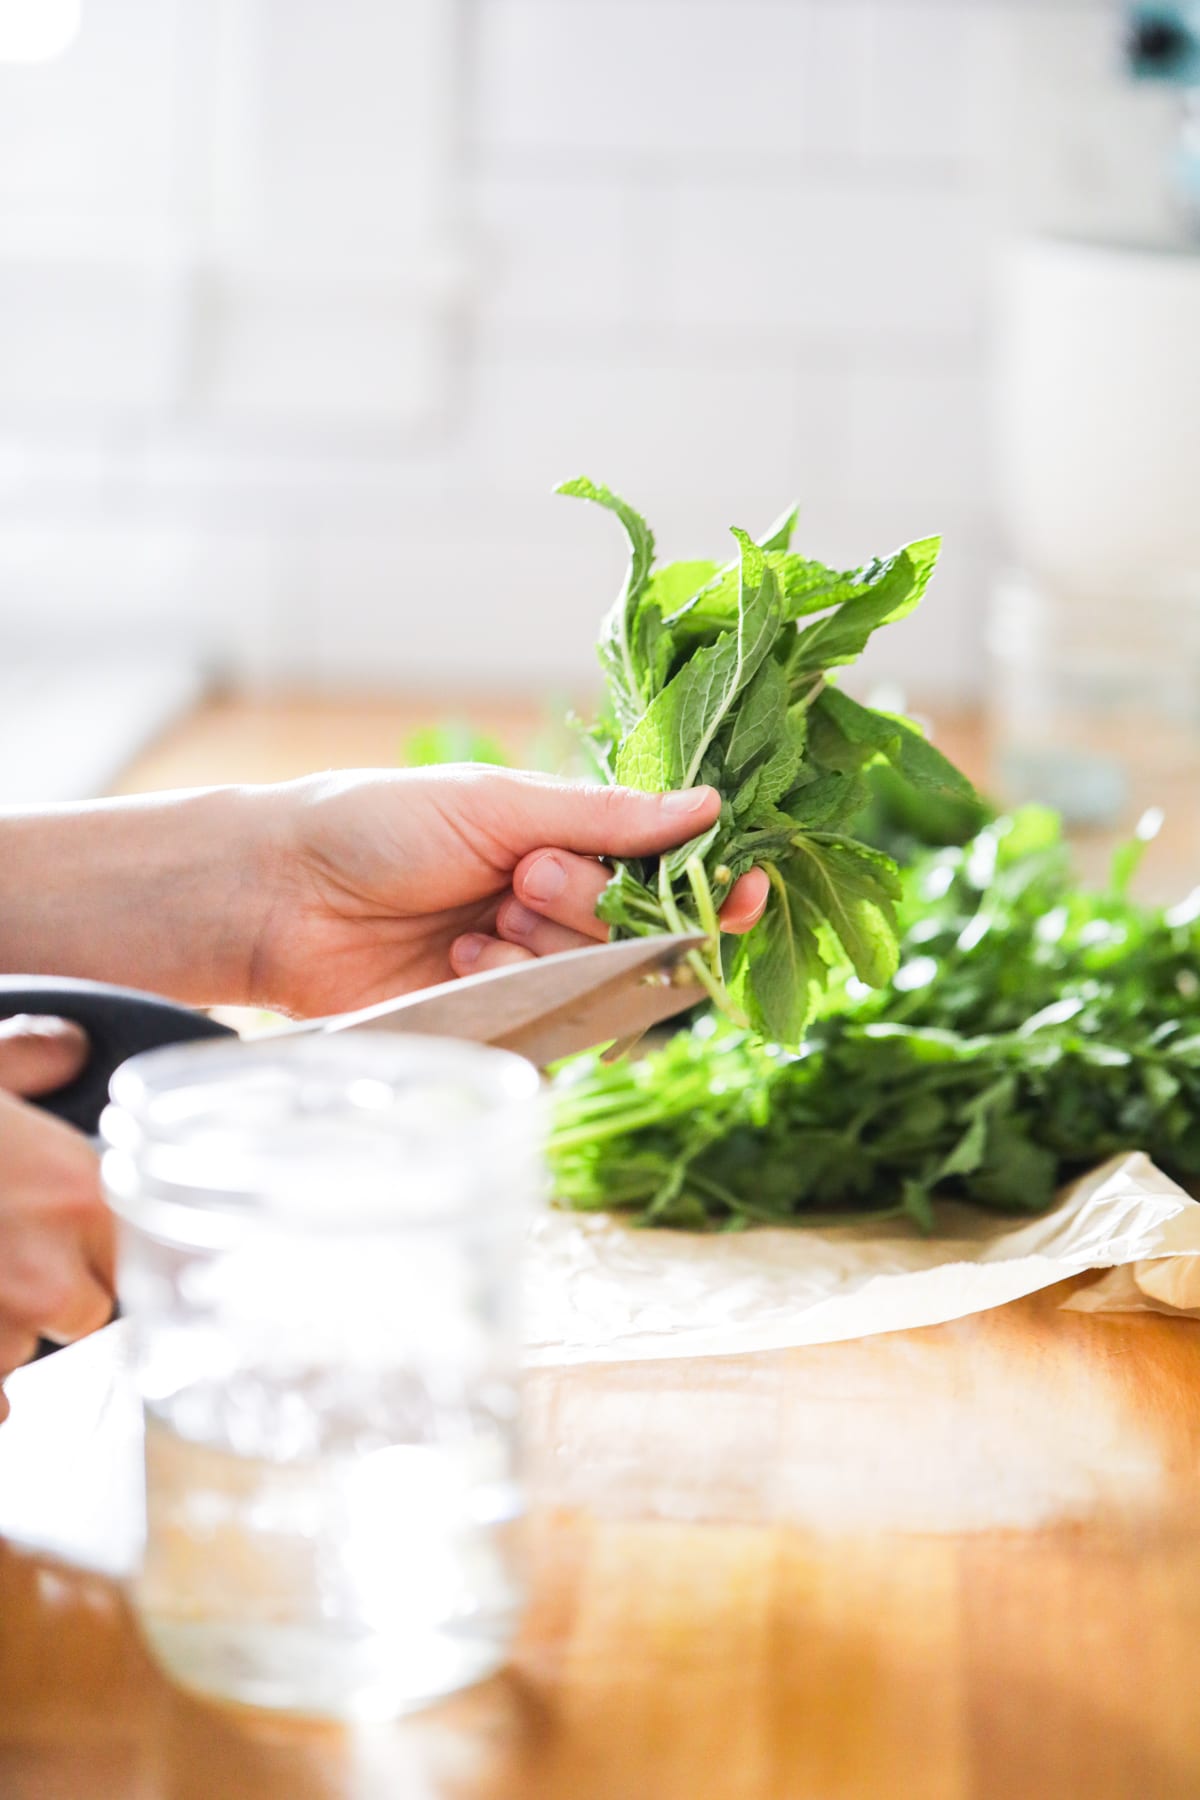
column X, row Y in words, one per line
column 1169, row 1285
column 601, row 1290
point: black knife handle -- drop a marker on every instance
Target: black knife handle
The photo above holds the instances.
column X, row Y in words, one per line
column 120, row 1023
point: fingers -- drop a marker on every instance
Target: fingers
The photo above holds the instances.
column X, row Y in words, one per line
column 594, row 820
column 17, row 1346
column 474, row 953
column 79, row 1305
column 47, row 1289
column 38, row 1055
column 56, row 1234
column 523, row 934
column 44, row 1294
column 517, row 925
column 563, row 888
column 747, row 900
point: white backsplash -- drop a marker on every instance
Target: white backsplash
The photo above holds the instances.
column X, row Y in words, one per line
column 304, row 308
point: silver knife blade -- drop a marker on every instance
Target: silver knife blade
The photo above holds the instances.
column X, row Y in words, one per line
column 551, row 1007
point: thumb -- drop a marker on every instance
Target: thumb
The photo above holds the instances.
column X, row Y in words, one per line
column 38, row 1054
column 603, row 821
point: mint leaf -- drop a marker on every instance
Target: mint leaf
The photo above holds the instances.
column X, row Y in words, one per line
column 771, row 779
column 884, row 593
column 755, row 730
column 779, row 535
column 710, row 679
column 786, row 963
column 845, row 736
column 854, row 891
column 823, row 802
column 625, row 678
column 667, row 746
column 923, row 766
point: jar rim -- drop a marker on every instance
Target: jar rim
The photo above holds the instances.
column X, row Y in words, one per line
column 263, row 1131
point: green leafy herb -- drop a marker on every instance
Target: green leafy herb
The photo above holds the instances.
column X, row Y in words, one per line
column 451, row 742
column 1030, row 1030
column 712, row 679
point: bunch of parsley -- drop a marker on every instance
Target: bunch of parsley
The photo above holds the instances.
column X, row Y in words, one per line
column 1031, row 1029
column 720, row 675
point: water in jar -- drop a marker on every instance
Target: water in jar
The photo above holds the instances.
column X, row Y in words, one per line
column 294, row 1560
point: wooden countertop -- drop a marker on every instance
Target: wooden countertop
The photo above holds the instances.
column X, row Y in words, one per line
column 954, row 1564
column 240, row 737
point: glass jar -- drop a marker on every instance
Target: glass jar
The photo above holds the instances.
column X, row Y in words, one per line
column 1094, row 710
column 318, row 1252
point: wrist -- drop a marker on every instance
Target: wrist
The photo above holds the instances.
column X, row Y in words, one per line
column 166, row 892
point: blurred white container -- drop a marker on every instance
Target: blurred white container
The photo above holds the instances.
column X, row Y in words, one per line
column 1095, row 638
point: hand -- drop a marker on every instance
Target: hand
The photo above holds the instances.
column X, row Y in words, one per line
column 383, row 883
column 332, row 892
column 56, row 1240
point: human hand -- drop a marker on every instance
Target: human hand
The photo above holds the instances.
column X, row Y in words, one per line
column 380, row 883
column 56, row 1238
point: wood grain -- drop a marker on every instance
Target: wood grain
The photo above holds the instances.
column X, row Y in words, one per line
column 276, row 737
column 954, row 1564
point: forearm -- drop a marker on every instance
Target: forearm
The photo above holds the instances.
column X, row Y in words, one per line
column 163, row 892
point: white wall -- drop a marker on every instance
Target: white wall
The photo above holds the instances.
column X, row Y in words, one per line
column 304, row 308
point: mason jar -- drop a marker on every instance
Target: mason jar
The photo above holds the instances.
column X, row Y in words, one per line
column 319, row 1244
column 1094, row 710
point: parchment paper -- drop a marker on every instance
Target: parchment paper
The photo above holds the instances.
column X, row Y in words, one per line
column 601, row 1290
column 1170, row 1285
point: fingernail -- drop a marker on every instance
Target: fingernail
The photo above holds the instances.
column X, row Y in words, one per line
column 467, row 950
column 688, row 800
column 41, row 1025
column 518, row 921
column 545, row 879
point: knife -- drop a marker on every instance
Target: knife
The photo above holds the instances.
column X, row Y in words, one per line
column 543, row 1009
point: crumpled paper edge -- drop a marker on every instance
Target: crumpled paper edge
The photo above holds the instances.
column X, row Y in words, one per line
column 1168, row 1285
column 601, row 1290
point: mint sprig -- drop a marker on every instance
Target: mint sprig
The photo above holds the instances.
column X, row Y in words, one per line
column 713, row 679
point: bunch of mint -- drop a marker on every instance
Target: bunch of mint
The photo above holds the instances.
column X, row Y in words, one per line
column 721, row 676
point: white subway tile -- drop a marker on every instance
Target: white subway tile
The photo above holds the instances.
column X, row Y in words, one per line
column 556, row 250
column 674, row 77
column 738, row 439
column 916, row 77
column 507, row 610
column 835, row 91
column 919, row 434
column 817, row 256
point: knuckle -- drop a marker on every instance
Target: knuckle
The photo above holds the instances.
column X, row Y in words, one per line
column 611, row 802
